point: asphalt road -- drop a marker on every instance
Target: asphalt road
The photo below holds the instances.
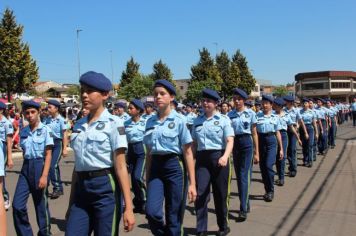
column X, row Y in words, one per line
column 320, row 201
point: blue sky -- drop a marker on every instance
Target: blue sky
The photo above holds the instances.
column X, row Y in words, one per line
column 279, row 37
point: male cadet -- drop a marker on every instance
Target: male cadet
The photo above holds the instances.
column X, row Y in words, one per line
column 6, row 131
column 353, row 110
column 190, row 116
column 119, row 110
column 149, row 112
column 58, row 126
column 322, row 115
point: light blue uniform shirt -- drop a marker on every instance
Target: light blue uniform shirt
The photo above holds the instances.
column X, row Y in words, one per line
column 242, row 121
column 146, row 116
column 353, row 106
column 308, row 116
column 58, row 125
column 94, row 145
column 124, row 117
column 293, row 113
column 211, row 133
column 284, row 121
column 6, row 128
column 332, row 112
column 191, row 116
column 135, row 130
column 33, row 143
column 321, row 113
column 267, row 123
column 168, row 136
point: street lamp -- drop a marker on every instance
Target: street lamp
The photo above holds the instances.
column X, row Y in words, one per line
column 216, row 47
column 78, row 30
column 112, row 68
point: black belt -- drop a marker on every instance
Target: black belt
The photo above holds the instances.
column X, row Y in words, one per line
column 94, row 173
column 268, row 134
column 242, row 135
column 283, row 131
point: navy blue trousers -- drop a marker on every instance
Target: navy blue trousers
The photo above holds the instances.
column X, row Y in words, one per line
column 354, row 118
column 322, row 141
column 4, row 190
column 54, row 171
column 209, row 173
column 292, row 152
column 307, row 144
column 267, row 150
column 168, row 183
column 136, row 162
column 332, row 133
column 96, row 207
column 243, row 157
column 28, row 184
column 281, row 164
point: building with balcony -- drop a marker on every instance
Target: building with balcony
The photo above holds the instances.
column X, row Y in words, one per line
column 337, row 85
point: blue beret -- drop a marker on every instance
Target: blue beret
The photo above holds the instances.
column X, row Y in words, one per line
column 30, row 104
column 305, row 100
column 54, row 103
column 241, row 93
column 288, row 98
column 166, row 84
column 2, row 105
column 120, row 105
column 175, row 102
column 279, row 102
column 212, row 94
column 189, row 105
column 257, row 103
column 248, row 103
column 267, row 98
column 148, row 104
column 96, row 80
column 138, row 104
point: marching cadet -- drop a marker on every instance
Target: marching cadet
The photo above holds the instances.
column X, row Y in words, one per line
column 59, row 130
column 148, row 110
column 6, row 131
column 245, row 152
column 285, row 123
column 269, row 138
column 224, row 108
column 353, row 110
column 119, row 110
column 323, row 117
column 36, row 141
column 190, row 116
column 308, row 134
column 135, row 129
column 257, row 106
column 169, row 157
column 332, row 123
column 99, row 144
column 318, row 125
column 213, row 141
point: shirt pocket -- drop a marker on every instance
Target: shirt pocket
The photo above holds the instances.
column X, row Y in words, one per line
column 39, row 145
column 169, row 137
column 98, row 143
column 214, row 132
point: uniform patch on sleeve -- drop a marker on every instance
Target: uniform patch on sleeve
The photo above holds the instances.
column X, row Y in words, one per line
column 121, row 130
column 51, row 134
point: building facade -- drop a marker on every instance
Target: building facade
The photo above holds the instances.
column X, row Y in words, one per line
column 337, row 85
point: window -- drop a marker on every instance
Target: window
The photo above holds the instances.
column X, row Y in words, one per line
column 340, row 85
column 314, row 86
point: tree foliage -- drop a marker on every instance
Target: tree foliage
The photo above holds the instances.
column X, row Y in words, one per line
column 161, row 71
column 138, row 87
column 246, row 80
column 73, row 90
column 131, row 72
column 196, row 87
column 280, row 91
column 18, row 71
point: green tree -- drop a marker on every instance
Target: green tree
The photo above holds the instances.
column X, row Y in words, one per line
column 18, row 71
column 280, row 91
column 246, row 81
column 73, row 90
column 161, row 71
column 140, row 86
column 132, row 71
column 196, row 87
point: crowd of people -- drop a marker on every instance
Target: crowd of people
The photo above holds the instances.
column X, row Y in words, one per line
column 161, row 152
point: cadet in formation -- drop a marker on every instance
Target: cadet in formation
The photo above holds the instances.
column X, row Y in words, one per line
column 120, row 111
column 353, row 110
column 6, row 132
column 59, row 129
column 36, row 142
column 169, row 158
column 213, row 141
column 135, row 129
column 322, row 114
column 245, row 152
column 269, row 138
column 190, row 116
column 148, row 110
column 99, row 144
column 332, row 123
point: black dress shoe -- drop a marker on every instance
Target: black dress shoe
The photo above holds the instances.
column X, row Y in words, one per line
column 280, row 182
column 268, row 197
column 223, row 232
column 56, row 194
column 140, row 210
column 202, row 234
column 292, row 174
column 242, row 216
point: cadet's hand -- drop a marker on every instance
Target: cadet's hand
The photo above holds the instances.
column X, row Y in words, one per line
column 129, row 220
column 281, row 155
column 222, row 161
column 300, row 142
column 43, row 182
column 192, row 193
column 10, row 163
column 256, row 159
column 65, row 153
column 306, row 136
column 317, row 136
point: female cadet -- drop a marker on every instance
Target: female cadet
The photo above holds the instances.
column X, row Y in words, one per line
column 285, row 123
column 269, row 138
column 59, row 129
column 332, row 123
column 169, row 153
column 36, row 141
column 135, row 129
column 99, row 144
column 213, row 141
column 6, row 132
column 309, row 119
column 245, row 148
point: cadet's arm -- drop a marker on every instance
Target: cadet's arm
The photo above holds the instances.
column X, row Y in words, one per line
column 189, row 160
column 256, row 153
column 10, row 164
